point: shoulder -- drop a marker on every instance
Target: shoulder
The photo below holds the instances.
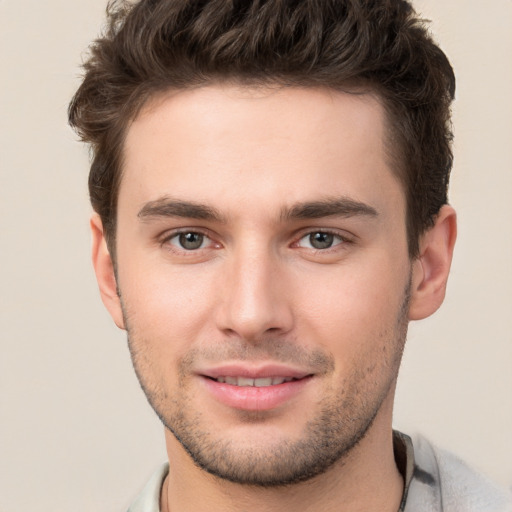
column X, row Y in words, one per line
column 149, row 499
column 443, row 482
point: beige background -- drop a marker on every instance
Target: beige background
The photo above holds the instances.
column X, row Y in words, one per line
column 75, row 430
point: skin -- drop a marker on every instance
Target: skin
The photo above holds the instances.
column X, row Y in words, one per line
column 255, row 292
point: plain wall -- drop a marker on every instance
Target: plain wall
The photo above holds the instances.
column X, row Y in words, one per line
column 75, row 430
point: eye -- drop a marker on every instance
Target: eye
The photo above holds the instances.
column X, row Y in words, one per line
column 320, row 240
column 189, row 240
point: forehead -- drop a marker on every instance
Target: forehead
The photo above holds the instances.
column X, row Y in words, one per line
column 287, row 143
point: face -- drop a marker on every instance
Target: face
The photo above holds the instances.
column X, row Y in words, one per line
column 263, row 271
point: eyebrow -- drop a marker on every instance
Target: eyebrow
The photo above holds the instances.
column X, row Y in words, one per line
column 167, row 207
column 330, row 207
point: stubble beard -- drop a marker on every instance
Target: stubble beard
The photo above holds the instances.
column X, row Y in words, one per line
column 344, row 418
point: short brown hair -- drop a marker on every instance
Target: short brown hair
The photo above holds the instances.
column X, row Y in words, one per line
column 353, row 45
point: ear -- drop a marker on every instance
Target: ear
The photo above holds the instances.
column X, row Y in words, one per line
column 105, row 275
column 431, row 269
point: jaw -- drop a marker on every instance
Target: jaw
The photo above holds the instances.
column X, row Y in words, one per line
column 366, row 471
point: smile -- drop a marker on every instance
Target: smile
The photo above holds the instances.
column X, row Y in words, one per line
column 248, row 382
column 255, row 393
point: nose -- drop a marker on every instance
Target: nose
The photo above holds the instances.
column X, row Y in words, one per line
column 255, row 300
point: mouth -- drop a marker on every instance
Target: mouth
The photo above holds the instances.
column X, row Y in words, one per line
column 261, row 388
column 260, row 382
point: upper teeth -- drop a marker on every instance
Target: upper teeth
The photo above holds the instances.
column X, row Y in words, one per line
column 260, row 382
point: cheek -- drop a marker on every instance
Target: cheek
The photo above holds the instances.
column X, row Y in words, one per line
column 355, row 310
column 166, row 306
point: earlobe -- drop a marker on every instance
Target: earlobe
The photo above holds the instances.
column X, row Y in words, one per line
column 431, row 269
column 104, row 269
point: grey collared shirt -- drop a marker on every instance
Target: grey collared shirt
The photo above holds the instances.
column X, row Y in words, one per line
column 434, row 481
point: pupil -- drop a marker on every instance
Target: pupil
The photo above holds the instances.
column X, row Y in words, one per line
column 321, row 240
column 191, row 240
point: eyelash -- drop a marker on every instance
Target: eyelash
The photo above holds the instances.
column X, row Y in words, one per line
column 166, row 241
column 342, row 240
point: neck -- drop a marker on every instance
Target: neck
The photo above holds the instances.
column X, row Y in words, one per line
column 366, row 480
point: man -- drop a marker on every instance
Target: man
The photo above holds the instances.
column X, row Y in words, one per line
column 270, row 191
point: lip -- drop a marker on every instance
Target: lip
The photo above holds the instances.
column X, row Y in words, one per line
column 254, row 398
column 253, row 371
